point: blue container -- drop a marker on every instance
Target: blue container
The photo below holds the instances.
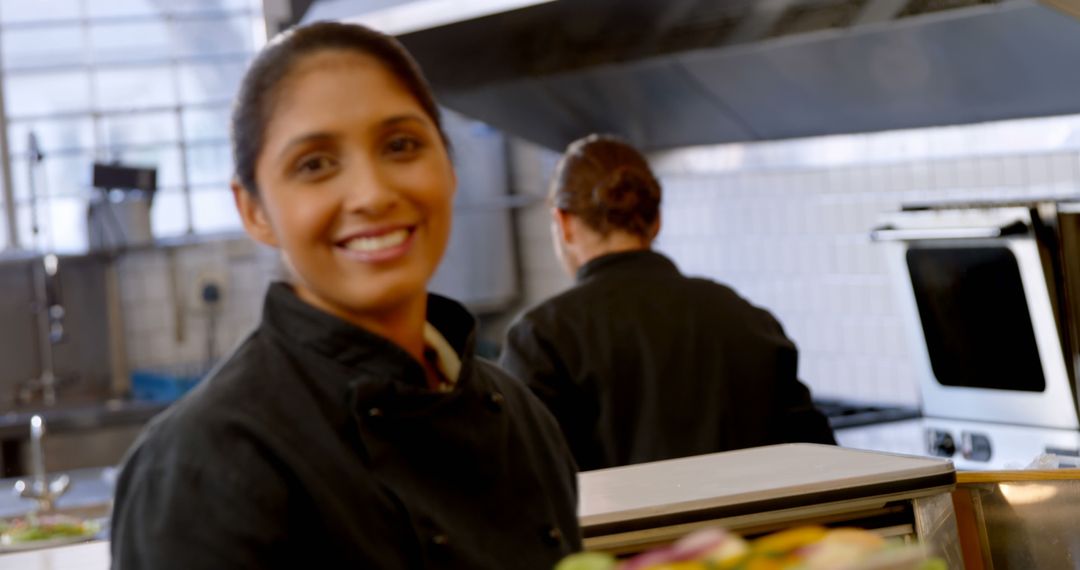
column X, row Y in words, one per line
column 165, row 384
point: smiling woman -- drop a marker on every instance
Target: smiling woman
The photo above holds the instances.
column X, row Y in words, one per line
column 357, row 196
column 355, row 422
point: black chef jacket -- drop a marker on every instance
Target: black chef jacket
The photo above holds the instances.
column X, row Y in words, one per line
column 640, row 363
column 318, row 444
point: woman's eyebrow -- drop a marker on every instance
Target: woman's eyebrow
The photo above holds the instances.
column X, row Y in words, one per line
column 403, row 118
column 319, row 136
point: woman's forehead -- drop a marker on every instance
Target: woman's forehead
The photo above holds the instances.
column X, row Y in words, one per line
column 340, row 83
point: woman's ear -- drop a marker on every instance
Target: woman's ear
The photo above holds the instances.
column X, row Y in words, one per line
column 253, row 215
column 654, row 229
column 565, row 229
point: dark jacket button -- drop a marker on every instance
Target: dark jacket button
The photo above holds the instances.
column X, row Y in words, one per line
column 552, row 536
column 495, row 401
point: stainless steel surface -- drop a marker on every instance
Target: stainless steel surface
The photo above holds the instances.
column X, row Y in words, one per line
column 689, row 72
column 40, row 488
column 1012, row 446
column 80, row 358
column 50, row 329
column 479, row 267
column 1024, row 520
column 91, row 493
column 938, row 233
column 120, row 382
column 80, row 436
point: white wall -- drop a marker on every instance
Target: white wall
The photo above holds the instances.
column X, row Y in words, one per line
column 165, row 325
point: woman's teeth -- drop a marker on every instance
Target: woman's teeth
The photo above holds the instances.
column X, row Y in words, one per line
column 376, row 243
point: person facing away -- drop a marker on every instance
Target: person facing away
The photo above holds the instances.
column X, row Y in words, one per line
column 636, row 361
column 353, row 428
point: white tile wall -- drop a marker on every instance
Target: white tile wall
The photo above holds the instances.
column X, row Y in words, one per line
column 164, row 327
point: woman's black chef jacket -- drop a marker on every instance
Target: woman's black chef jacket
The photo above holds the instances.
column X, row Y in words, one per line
column 639, row 363
column 317, row 444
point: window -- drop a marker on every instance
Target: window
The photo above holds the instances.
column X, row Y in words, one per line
column 142, row 82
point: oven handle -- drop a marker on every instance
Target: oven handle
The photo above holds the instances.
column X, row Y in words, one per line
column 890, row 233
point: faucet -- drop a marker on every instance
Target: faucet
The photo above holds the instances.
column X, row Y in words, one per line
column 39, row 488
column 50, row 331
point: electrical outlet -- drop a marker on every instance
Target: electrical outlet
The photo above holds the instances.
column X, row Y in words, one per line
column 208, row 287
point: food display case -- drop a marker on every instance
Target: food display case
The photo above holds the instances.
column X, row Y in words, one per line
column 754, row 491
column 1018, row 519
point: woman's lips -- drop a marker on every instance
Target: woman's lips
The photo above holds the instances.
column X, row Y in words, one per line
column 378, row 246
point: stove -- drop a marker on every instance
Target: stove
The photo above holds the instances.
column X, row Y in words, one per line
column 991, row 297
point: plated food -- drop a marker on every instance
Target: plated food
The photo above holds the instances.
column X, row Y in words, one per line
column 802, row 548
column 45, row 531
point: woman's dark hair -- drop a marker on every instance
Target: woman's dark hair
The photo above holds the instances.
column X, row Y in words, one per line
column 260, row 89
column 609, row 185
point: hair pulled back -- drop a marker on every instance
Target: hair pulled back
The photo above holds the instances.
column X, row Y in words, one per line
column 261, row 87
column 607, row 184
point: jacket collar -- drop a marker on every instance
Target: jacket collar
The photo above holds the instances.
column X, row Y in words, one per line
column 300, row 324
column 638, row 260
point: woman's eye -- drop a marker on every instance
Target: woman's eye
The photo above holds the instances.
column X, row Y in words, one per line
column 403, row 146
column 316, row 164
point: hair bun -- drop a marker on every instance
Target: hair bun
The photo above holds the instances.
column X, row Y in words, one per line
column 608, row 184
column 622, row 190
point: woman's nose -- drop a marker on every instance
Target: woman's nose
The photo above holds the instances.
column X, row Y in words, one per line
column 367, row 193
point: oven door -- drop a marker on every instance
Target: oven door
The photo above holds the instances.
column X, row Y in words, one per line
column 973, row 290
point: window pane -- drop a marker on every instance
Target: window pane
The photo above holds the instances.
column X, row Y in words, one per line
column 64, row 175
column 46, row 93
column 183, row 6
column 165, row 159
column 36, row 10
column 206, row 124
column 99, row 8
column 214, row 211
column 62, row 225
column 52, row 135
column 37, row 47
column 134, row 41
column 20, row 179
column 142, row 128
column 210, row 164
column 207, row 82
column 168, row 214
column 135, row 88
column 208, row 36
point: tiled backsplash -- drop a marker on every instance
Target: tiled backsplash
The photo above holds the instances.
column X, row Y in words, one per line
column 166, row 324
column 787, row 225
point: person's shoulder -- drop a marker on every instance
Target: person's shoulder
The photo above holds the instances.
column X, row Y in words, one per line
column 550, row 313
column 725, row 296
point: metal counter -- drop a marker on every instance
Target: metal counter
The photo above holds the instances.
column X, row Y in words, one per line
column 754, row 491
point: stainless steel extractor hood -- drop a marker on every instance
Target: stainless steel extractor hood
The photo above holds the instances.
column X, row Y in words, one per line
column 671, row 73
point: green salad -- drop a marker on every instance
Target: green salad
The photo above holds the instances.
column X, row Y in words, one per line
column 24, row 531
